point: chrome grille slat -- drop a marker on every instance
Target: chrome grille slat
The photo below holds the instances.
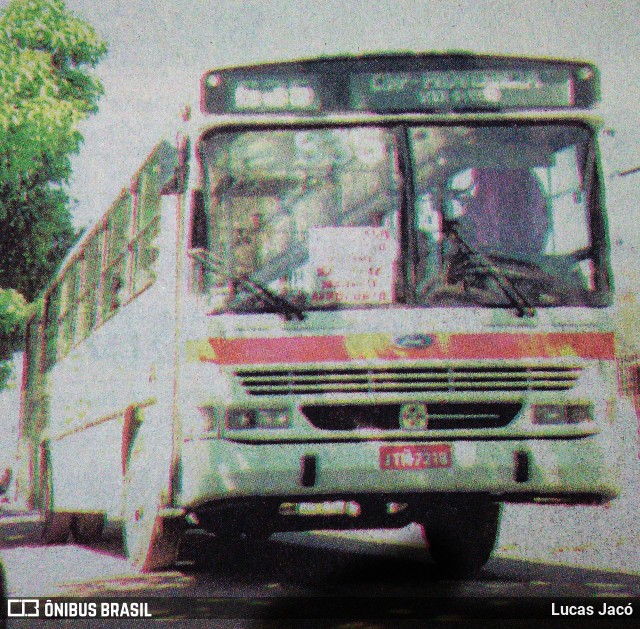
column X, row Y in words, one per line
column 417, row 376
column 408, row 386
column 398, row 379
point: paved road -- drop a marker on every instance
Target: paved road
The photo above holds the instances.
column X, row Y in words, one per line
column 390, row 571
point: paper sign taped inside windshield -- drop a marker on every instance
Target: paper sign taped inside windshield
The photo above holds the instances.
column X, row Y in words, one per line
column 352, row 265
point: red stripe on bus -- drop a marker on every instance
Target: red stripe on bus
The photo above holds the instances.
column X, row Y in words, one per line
column 491, row 346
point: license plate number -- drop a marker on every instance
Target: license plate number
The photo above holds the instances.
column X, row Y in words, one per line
column 415, row 457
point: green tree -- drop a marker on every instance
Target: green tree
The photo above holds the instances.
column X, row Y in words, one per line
column 14, row 312
column 48, row 89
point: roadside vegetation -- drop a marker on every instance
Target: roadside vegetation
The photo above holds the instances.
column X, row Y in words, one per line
column 48, row 88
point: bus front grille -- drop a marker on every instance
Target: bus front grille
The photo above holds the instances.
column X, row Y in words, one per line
column 496, row 378
column 440, row 416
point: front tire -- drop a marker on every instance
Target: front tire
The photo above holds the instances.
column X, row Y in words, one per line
column 461, row 537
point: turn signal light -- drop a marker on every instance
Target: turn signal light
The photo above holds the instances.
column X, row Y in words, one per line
column 256, row 418
column 557, row 414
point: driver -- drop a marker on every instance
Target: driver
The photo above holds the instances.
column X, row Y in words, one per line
column 506, row 213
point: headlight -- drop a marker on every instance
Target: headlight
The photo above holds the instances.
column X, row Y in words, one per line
column 243, row 419
column 556, row 414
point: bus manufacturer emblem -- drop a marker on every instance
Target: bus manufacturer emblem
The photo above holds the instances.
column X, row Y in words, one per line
column 413, row 416
column 414, row 341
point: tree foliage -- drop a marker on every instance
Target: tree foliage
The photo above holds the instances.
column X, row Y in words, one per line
column 14, row 312
column 48, row 89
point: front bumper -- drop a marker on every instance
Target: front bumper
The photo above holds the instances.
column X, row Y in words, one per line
column 569, row 470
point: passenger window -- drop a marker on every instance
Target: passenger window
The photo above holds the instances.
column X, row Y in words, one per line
column 148, row 195
column 145, row 246
column 118, row 227
column 52, row 309
column 146, row 254
column 33, row 350
column 68, row 309
column 115, row 282
column 114, row 288
column 92, row 260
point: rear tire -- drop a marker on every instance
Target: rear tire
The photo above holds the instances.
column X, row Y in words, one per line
column 56, row 524
column 151, row 542
column 56, row 527
column 461, row 537
column 87, row 528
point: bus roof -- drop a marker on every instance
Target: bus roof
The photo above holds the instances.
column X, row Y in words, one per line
column 402, row 82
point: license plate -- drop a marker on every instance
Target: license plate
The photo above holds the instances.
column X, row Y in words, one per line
column 415, row 457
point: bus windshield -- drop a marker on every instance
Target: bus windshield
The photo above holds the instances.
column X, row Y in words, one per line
column 421, row 215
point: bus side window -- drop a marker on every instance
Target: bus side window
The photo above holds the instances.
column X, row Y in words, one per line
column 33, row 365
column 52, row 308
column 113, row 288
column 114, row 278
column 68, row 309
column 147, row 228
column 91, row 261
column 32, row 351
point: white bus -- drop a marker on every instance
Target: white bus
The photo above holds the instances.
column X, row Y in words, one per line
column 353, row 293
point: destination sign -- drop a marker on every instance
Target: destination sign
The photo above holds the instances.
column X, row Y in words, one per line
column 485, row 89
column 401, row 83
column 275, row 95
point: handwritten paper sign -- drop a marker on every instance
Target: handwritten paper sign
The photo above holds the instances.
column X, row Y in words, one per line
column 352, row 265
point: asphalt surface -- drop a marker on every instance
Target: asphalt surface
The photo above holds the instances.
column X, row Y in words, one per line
column 378, row 578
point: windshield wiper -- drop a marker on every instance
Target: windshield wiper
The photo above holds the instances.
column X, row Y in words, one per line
column 264, row 294
column 517, row 299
